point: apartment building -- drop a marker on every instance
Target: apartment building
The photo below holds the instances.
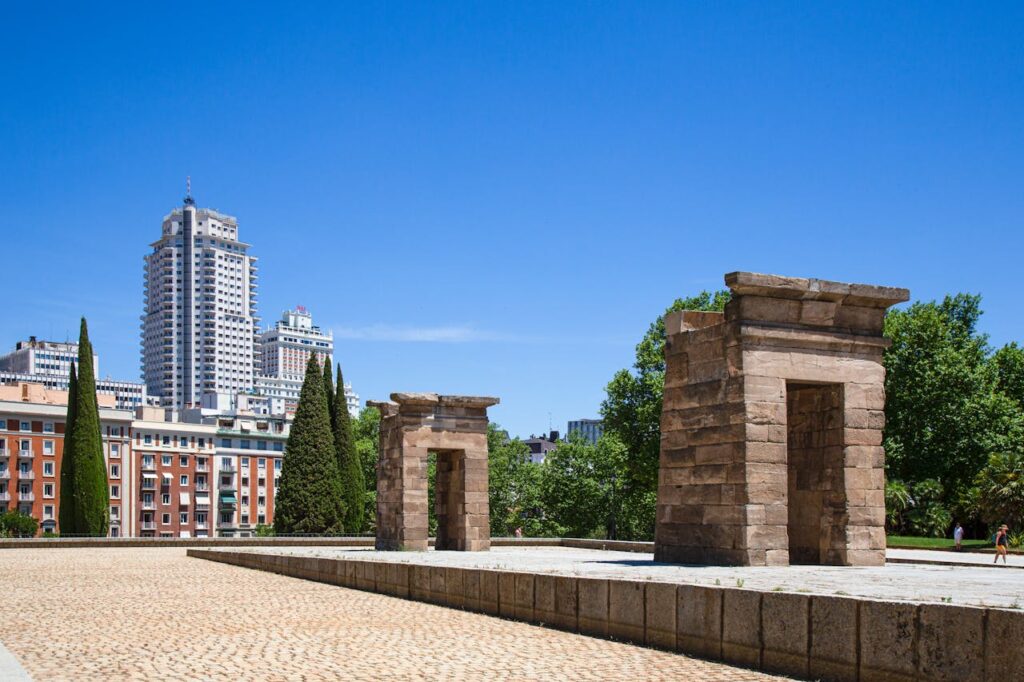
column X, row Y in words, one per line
column 199, row 327
column 250, row 452
column 49, row 363
column 174, row 465
column 32, row 423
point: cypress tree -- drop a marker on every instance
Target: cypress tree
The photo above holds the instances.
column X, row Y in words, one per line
column 353, row 484
column 89, row 496
column 329, row 390
column 66, row 508
column 309, row 498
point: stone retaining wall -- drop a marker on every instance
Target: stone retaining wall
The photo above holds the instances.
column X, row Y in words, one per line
column 809, row 636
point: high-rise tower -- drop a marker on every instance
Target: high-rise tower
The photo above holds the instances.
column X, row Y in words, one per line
column 199, row 327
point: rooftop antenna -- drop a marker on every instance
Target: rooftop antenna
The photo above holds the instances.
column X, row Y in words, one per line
column 189, row 201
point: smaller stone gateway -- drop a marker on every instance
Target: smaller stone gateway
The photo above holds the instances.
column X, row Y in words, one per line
column 455, row 428
column 771, row 427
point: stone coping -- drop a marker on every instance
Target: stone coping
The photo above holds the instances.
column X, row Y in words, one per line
column 445, row 400
column 778, row 286
column 806, row 636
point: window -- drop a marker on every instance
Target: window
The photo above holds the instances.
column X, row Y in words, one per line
column 183, row 461
column 115, row 451
column 147, row 498
column 184, row 480
column 244, row 444
column 245, row 481
column 48, row 512
column 245, row 518
column 26, row 445
column 147, row 460
column 227, row 517
column 278, row 447
column 261, row 445
column 115, row 471
column 115, row 491
column 165, row 498
column 25, row 426
column 47, row 427
column 261, row 519
column 261, row 463
column 225, row 442
column 165, row 519
column 277, row 465
column 202, row 442
column 47, row 490
column 147, row 439
column 47, row 447
column 226, row 481
column 183, row 517
column 167, row 440
column 165, row 460
column 225, row 462
column 47, row 468
column 261, row 501
column 245, row 462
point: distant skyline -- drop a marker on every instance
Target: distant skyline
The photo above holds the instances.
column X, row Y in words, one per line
column 498, row 199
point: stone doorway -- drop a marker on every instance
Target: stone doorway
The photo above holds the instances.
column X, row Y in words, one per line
column 814, row 457
column 413, row 425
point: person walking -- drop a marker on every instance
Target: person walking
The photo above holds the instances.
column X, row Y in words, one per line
column 958, row 537
column 1001, row 543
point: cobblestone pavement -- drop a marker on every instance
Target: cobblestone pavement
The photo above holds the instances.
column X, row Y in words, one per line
column 92, row 614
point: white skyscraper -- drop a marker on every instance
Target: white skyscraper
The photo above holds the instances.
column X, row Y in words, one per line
column 200, row 325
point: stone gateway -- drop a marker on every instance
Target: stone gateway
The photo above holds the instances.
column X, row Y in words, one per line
column 455, row 428
column 771, row 427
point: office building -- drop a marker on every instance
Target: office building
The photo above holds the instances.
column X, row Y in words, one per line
column 590, row 429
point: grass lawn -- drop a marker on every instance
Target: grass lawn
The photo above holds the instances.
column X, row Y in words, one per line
column 909, row 542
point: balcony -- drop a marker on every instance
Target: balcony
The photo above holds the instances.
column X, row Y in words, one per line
column 148, row 525
column 26, row 496
column 26, row 454
column 228, row 468
column 148, row 505
column 148, row 484
column 5, row 496
column 148, row 466
column 25, row 475
column 201, row 468
column 202, row 525
column 5, row 475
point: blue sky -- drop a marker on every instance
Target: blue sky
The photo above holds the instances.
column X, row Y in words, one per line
column 497, row 198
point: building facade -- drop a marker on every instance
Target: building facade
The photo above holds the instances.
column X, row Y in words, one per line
column 199, row 327
column 204, row 475
column 590, row 429
column 284, row 351
column 49, row 363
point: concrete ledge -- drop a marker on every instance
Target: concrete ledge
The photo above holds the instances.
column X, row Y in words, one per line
column 811, row 637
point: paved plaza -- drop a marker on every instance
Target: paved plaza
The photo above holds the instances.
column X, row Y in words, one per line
column 148, row 613
column 974, row 583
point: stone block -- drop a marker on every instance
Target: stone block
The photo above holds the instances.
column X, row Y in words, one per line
column 660, row 615
column 566, row 604
column 366, row 578
column 544, row 598
column 592, row 606
column 784, row 628
column 1004, row 655
column 699, row 621
column 626, row 610
column 524, row 597
column 507, row 594
column 834, row 639
column 398, row 579
column 351, row 569
column 888, row 633
column 419, row 586
column 455, row 589
column 489, row 595
column 471, row 589
column 951, row 643
column 741, row 627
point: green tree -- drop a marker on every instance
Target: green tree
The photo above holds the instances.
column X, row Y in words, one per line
column 66, row 507
column 366, row 434
column 1001, row 483
column 353, row 483
column 1009, row 367
column 309, row 498
column 329, row 390
column 944, row 412
column 17, row 525
column 632, row 408
column 87, row 482
column 514, row 488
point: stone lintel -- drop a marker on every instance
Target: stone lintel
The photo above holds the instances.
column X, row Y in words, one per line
column 777, row 286
column 764, row 335
column 386, row 407
column 688, row 320
column 445, row 400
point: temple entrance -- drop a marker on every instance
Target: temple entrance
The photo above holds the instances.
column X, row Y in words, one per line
column 815, row 493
